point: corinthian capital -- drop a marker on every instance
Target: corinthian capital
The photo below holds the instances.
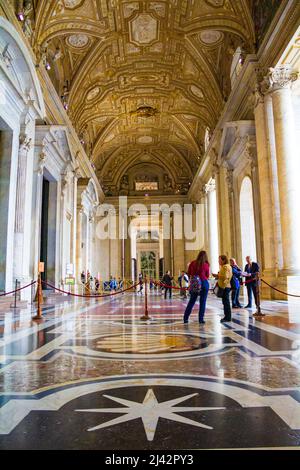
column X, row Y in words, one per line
column 210, row 186
column 280, row 77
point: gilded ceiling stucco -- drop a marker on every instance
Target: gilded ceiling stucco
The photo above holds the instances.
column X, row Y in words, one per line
column 113, row 56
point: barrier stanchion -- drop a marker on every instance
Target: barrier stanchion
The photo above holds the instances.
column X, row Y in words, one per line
column 32, row 292
column 16, row 287
column 39, row 315
column 146, row 314
column 258, row 312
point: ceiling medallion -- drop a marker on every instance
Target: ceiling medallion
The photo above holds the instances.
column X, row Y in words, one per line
column 73, row 3
column 93, row 93
column 210, row 36
column 145, row 111
column 143, row 29
column 78, row 40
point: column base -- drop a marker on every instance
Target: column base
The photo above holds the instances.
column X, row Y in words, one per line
column 25, row 294
column 284, row 282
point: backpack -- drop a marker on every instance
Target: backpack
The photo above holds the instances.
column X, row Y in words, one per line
column 195, row 285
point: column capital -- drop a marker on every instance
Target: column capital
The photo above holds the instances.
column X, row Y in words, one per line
column 211, row 186
column 279, row 78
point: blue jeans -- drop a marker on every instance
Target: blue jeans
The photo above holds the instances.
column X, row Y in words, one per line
column 235, row 297
column 203, row 297
column 251, row 287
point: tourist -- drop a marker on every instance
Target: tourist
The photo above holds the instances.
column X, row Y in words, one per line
column 224, row 279
column 235, row 283
column 141, row 282
column 198, row 272
column 97, row 285
column 250, row 272
column 167, row 280
column 83, row 277
column 184, row 283
column 113, row 285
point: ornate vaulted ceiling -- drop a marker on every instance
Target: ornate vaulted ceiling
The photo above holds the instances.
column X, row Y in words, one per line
column 109, row 57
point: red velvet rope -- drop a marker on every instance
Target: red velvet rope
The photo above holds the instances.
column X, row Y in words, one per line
column 281, row 292
column 170, row 287
column 90, row 296
column 17, row 290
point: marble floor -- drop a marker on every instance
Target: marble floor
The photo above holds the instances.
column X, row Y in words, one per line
column 93, row 375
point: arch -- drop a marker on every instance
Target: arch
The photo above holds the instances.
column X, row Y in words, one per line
column 22, row 65
column 247, row 219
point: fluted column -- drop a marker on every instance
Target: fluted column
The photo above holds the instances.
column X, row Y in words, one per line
column 25, row 145
column 79, row 243
column 271, row 148
column 288, row 165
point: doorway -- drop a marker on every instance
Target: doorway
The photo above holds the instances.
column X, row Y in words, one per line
column 48, row 230
column 6, row 139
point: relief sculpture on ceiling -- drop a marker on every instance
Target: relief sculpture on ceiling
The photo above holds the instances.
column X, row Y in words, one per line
column 144, row 29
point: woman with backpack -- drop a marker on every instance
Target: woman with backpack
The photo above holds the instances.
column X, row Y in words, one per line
column 198, row 272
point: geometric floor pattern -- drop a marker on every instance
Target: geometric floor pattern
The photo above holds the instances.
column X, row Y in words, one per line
column 93, row 375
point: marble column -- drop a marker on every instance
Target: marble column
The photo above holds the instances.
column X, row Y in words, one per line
column 20, row 271
column 288, row 166
column 231, row 211
column 224, row 221
column 251, row 154
column 127, row 252
column 213, row 226
column 79, row 266
column 269, row 116
column 266, row 182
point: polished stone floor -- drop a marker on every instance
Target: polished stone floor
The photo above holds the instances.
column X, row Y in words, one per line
column 93, row 375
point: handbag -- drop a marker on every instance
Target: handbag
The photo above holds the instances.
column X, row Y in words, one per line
column 195, row 285
column 220, row 292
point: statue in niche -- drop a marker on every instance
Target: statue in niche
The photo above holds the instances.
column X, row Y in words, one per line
column 168, row 186
column 108, row 190
column 207, row 138
column 179, row 167
column 25, row 145
column 124, row 186
column 27, row 25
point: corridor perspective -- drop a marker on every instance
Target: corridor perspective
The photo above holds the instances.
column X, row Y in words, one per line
column 149, row 163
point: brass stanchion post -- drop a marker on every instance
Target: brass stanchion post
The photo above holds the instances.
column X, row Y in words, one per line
column 146, row 314
column 39, row 299
column 258, row 312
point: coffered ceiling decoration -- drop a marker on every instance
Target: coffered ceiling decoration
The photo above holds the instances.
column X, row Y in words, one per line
column 120, row 55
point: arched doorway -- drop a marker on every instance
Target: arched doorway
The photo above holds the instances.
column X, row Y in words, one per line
column 247, row 220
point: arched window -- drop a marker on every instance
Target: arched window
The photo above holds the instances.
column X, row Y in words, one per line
column 247, row 220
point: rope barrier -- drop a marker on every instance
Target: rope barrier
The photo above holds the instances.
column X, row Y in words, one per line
column 18, row 290
column 248, row 282
column 90, row 296
column 161, row 284
column 278, row 290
